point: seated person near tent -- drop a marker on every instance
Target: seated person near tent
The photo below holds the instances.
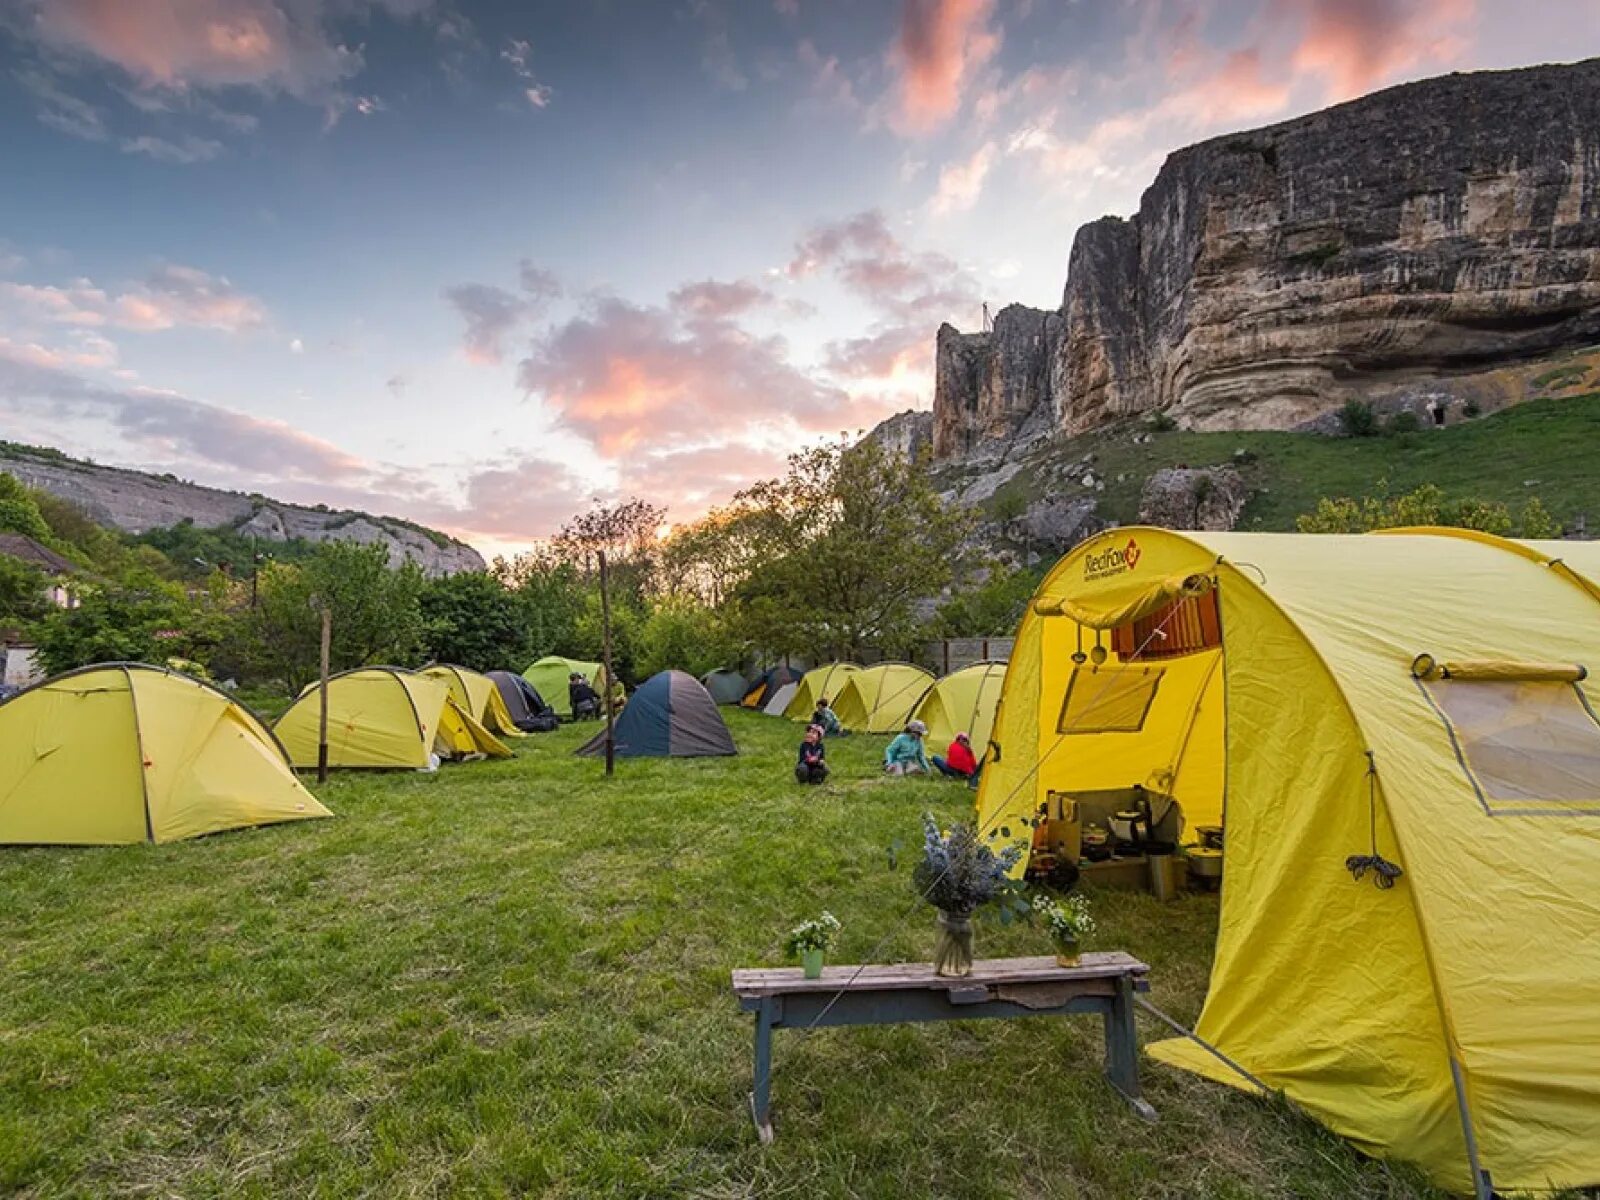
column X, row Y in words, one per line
column 905, row 755
column 585, row 700
column 828, row 720
column 812, row 765
column 958, row 762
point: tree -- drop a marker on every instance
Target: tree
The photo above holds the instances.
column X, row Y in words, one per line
column 473, row 620
column 22, row 589
column 19, row 511
column 377, row 615
column 993, row 608
column 549, row 597
column 858, row 538
column 683, row 633
column 1425, row 505
column 141, row 618
column 629, row 533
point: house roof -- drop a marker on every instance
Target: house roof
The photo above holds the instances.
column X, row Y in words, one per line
column 20, row 546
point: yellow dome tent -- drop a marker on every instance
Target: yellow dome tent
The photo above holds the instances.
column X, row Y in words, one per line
column 880, row 698
column 963, row 701
column 125, row 753
column 477, row 694
column 1418, row 698
column 384, row 717
column 826, row 680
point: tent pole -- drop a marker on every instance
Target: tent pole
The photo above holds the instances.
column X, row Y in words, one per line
column 605, row 646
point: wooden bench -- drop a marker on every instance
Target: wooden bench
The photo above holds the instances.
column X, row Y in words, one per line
column 783, row 998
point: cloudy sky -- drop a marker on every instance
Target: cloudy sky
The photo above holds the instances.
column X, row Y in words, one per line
column 477, row 263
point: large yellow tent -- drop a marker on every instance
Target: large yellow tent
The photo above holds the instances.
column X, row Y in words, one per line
column 962, row 702
column 477, row 694
column 127, row 753
column 815, row 684
column 880, row 698
column 1426, row 699
column 384, row 717
column 549, row 677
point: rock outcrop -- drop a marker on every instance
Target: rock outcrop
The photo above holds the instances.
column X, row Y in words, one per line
column 1397, row 248
column 907, row 434
column 1193, row 498
column 134, row 502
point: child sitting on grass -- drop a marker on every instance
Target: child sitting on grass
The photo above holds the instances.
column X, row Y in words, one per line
column 812, row 765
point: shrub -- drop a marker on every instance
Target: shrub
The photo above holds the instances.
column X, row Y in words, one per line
column 1404, row 421
column 1357, row 419
column 1537, row 521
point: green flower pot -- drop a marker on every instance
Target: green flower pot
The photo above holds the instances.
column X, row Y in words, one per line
column 811, row 962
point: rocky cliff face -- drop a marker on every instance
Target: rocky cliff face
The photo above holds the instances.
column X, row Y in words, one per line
column 1398, row 249
column 134, row 502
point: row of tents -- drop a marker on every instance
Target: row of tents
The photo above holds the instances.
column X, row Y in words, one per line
column 876, row 699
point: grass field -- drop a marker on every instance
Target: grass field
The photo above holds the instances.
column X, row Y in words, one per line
column 1542, row 448
column 512, row 979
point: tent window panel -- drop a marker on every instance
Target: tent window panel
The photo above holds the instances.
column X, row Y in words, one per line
column 1187, row 625
column 1108, row 700
column 1528, row 748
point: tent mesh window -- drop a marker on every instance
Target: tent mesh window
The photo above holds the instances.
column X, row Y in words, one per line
column 1529, row 749
column 1108, row 699
column 1182, row 627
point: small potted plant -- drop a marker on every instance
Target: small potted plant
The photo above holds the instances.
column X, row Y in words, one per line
column 810, row 940
column 1067, row 921
column 958, row 874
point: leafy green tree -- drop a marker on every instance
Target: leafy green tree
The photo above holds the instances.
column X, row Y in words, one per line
column 858, row 538
column 991, row 609
column 549, row 597
column 22, row 591
column 141, row 618
column 19, row 511
column 473, row 620
column 684, row 634
column 377, row 613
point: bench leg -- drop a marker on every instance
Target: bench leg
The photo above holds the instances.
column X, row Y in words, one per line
column 1122, row 1049
column 760, row 1098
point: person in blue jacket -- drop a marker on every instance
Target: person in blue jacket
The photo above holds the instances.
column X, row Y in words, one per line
column 906, row 755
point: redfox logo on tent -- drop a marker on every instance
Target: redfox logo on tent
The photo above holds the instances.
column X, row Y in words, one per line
column 1113, row 561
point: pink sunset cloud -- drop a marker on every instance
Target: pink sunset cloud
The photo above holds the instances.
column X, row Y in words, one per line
column 941, row 46
column 169, row 297
column 1358, row 44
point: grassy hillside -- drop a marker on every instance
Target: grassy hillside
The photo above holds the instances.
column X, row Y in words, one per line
column 1545, row 448
column 512, row 979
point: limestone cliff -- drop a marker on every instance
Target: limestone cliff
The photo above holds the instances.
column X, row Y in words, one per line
column 1404, row 249
column 134, row 502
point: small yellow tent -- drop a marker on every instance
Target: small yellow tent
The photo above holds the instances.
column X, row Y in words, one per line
column 127, row 753
column 815, row 684
column 384, row 717
column 1428, row 699
column 477, row 695
column 962, row 702
column 880, row 698
column 549, row 677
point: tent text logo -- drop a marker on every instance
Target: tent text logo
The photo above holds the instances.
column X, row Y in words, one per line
column 1112, row 562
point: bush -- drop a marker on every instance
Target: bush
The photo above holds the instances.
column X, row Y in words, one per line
column 1537, row 521
column 1160, row 422
column 1404, row 421
column 1357, row 419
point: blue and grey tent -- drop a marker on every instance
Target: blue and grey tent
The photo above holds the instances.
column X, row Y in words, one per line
column 528, row 710
column 670, row 716
column 726, row 687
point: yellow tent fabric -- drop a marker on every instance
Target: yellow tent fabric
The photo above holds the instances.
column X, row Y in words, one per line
column 477, row 696
column 549, row 678
column 1454, row 1019
column 880, row 698
column 963, row 701
column 127, row 753
column 826, row 680
column 384, row 717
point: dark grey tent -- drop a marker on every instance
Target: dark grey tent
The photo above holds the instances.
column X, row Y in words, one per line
column 726, row 687
column 528, row 710
column 670, row 716
column 765, row 685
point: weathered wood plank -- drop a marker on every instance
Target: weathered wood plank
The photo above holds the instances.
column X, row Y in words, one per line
column 885, row 976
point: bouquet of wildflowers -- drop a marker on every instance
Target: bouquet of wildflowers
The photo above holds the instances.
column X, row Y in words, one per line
column 958, row 874
column 820, row 933
column 1068, row 921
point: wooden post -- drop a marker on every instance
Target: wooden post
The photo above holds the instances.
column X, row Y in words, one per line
column 605, row 647
column 322, row 718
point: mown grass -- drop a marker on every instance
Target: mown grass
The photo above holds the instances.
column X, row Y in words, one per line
column 1542, row 448
column 512, row 979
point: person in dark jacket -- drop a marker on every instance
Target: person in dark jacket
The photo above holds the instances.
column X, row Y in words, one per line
column 827, row 720
column 585, row 700
column 812, row 765
column 958, row 762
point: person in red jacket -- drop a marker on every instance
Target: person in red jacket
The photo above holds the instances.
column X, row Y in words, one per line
column 957, row 762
